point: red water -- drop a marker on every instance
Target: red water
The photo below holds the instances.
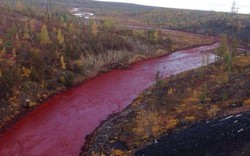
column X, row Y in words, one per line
column 58, row 127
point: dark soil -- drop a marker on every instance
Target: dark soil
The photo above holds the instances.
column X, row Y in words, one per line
column 221, row 137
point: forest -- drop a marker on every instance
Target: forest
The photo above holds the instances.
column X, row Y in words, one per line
column 44, row 49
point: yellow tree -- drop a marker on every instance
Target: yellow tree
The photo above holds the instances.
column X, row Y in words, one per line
column 155, row 36
column 44, row 35
column 19, row 6
column 71, row 27
column 18, row 42
column 93, row 28
column 4, row 50
column 62, row 62
column 26, row 31
column 26, row 72
column 32, row 25
column 60, row 37
column 147, row 124
column 152, row 35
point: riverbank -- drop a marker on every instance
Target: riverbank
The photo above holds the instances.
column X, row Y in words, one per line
column 71, row 115
column 179, row 101
column 24, row 101
column 71, row 52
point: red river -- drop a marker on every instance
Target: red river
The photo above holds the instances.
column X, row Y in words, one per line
column 58, row 126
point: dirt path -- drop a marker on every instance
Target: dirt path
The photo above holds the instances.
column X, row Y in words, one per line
column 229, row 136
column 59, row 126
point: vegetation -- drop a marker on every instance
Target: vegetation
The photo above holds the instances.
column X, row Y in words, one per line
column 204, row 22
column 42, row 53
column 44, row 49
column 189, row 97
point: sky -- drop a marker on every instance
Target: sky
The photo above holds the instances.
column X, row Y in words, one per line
column 216, row 5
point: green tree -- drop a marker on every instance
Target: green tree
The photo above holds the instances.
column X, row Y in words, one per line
column 231, row 56
column 223, row 49
column 11, row 31
column 10, row 78
column 155, row 36
column 228, row 54
column 152, row 35
column 107, row 23
column 234, row 47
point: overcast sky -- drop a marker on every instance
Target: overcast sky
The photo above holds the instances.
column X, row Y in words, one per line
column 217, row 5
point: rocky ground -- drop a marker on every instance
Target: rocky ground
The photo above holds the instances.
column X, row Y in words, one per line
column 178, row 102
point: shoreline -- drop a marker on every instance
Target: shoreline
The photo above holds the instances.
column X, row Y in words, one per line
column 118, row 114
column 123, row 119
column 9, row 124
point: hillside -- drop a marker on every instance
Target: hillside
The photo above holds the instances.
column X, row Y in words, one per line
column 177, row 102
column 203, row 22
column 44, row 53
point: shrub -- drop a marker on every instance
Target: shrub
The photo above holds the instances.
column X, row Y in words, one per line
column 10, row 77
column 69, row 79
column 246, row 102
column 203, row 94
column 213, row 111
column 124, row 32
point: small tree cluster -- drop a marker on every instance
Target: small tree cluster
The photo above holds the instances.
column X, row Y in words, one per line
column 152, row 35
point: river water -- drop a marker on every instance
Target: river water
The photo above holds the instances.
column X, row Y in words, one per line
column 58, row 127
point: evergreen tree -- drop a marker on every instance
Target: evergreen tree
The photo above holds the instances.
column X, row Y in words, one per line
column 232, row 54
column 223, row 49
